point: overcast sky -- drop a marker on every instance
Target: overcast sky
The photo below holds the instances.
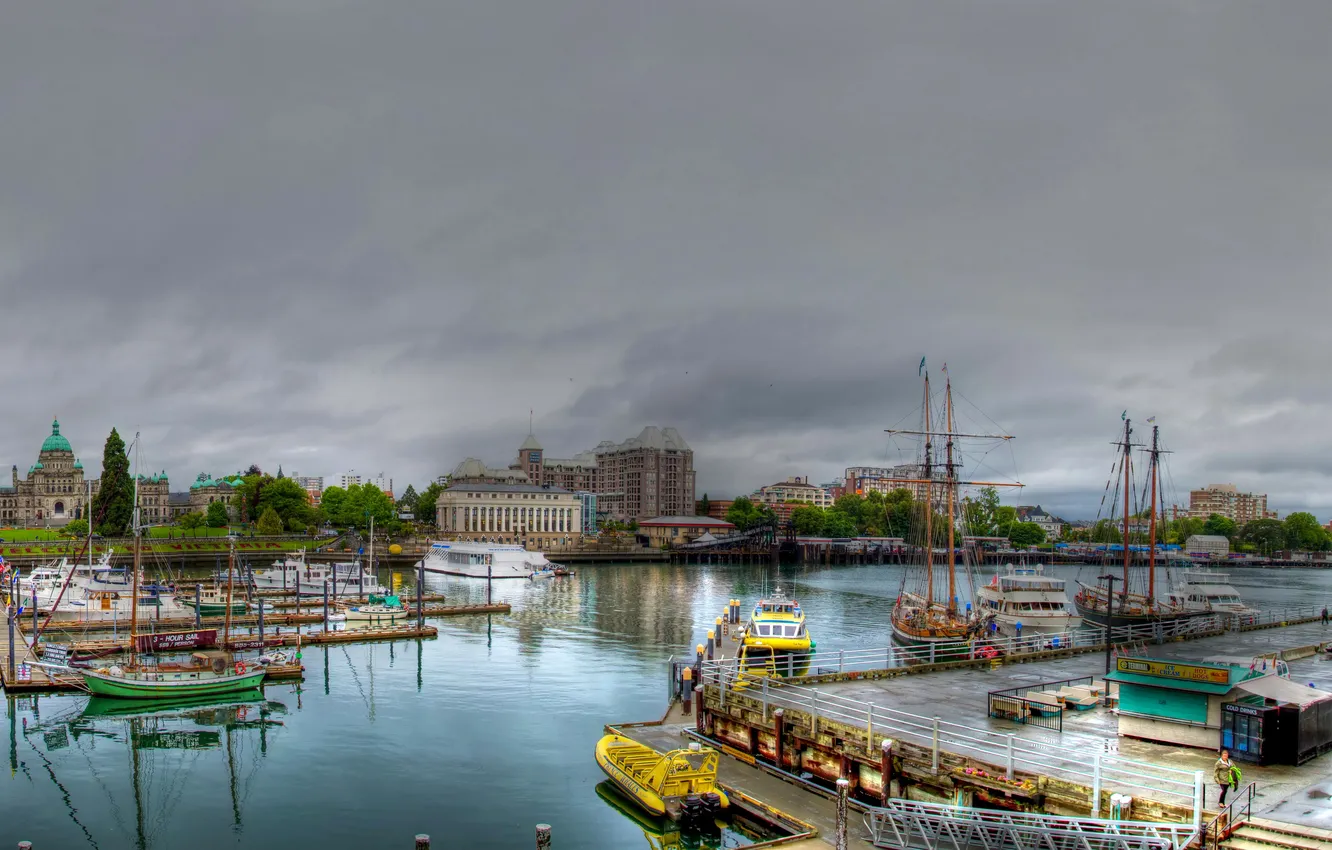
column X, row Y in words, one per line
column 373, row 235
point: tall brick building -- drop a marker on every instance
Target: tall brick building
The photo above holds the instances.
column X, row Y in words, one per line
column 1226, row 500
column 647, row 476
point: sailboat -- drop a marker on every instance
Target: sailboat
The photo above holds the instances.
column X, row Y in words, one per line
column 208, row 672
column 1132, row 606
column 930, row 613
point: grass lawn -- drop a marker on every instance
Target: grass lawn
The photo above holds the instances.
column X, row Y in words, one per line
column 25, row 535
column 177, row 531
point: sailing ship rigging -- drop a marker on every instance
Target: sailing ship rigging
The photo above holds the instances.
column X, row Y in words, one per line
column 1134, row 603
column 924, row 615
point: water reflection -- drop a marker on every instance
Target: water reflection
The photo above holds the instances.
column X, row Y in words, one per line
column 163, row 742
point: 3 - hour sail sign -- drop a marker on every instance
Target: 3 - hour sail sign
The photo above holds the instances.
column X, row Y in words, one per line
column 176, row 640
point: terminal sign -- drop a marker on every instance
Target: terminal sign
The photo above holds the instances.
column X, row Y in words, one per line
column 1169, row 670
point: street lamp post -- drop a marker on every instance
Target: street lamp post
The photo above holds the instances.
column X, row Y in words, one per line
column 1109, row 614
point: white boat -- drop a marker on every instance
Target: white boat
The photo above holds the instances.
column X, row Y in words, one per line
column 1204, row 591
column 294, row 573
column 485, row 560
column 379, row 609
column 97, row 593
column 1026, row 595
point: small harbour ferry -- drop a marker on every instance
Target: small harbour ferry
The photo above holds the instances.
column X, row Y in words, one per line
column 682, row 784
column 1204, row 591
column 779, row 624
column 486, row 560
column 1025, row 595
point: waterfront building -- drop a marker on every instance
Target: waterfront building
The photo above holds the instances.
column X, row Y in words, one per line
column 53, row 492
column 1226, row 500
column 793, row 490
column 862, row 480
column 1211, row 545
column 475, row 471
column 645, row 476
column 588, row 506
column 674, row 530
column 524, row 514
column 1051, row 525
column 206, row 489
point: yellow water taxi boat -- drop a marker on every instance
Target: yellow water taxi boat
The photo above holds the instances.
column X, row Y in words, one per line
column 672, row 784
column 778, row 624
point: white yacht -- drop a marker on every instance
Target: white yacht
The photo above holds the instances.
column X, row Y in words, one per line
column 1026, row 595
column 1204, row 591
column 486, row 560
column 293, row 572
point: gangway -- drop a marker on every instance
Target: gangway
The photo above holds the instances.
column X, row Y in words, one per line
column 911, row 825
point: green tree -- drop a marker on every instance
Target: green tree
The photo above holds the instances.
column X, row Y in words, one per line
column 742, row 513
column 113, row 506
column 1026, row 534
column 1005, row 517
column 269, row 522
column 1264, row 535
column 1183, row 528
column 808, row 520
column 375, row 503
column 1220, row 526
column 332, row 502
column 979, row 513
column 838, row 523
column 191, row 521
column 217, row 515
column 428, row 503
column 704, row 505
column 1304, row 532
column 409, row 499
column 76, row 528
column 288, row 499
column 898, row 507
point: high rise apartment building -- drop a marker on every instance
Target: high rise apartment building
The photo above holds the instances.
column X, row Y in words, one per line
column 1226, row 500
column 647, row 476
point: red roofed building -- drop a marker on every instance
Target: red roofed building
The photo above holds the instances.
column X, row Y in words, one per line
column 673, row 530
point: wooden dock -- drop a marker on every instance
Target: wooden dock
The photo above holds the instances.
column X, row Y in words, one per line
column 286, row 599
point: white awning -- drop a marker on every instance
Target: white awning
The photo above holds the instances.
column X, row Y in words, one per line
column 1283, row 690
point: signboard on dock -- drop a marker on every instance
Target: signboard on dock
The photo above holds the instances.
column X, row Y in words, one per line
column 1171, row 670
column 55, row 653
column 253, row 643
column 176, row 640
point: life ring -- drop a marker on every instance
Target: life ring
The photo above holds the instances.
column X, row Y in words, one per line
column 240, row 668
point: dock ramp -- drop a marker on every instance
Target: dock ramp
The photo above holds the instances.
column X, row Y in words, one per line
column 910, row 825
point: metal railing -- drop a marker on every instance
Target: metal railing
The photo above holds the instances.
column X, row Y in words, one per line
column 910, row 825
column 1232, row 816
column 1004, row 750
column 1015, row 703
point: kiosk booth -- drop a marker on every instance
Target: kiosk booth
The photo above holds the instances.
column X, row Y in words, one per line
column 1277, row 721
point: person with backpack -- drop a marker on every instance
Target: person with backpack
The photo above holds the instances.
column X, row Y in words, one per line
column 1226, row 774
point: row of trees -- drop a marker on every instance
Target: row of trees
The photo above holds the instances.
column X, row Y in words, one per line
column 1300, row 531
column 894, row 514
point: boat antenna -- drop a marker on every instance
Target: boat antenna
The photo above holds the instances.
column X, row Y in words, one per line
column 138, row 554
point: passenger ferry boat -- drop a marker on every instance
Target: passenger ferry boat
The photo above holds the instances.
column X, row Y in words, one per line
column 778, row 623
column 485, row 560
column 1026, row 595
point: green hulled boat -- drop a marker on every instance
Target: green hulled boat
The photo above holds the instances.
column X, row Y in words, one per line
column 209, row 673
column 213, row 603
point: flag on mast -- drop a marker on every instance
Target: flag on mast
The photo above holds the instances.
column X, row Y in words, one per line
column 1151, row 420
column 921, row 370
column 1123, row 416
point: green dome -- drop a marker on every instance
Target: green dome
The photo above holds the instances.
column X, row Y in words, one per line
column 55, row 442
column 78, row 464
column 38, row 465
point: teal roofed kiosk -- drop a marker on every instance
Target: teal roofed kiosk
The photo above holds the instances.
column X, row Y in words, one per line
column 1176, row 702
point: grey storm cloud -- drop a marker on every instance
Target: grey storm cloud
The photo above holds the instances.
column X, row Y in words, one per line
column 373, row 236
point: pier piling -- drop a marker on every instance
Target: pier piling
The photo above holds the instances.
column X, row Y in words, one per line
column 543, row 836
column 422, row 842
column 687, row 675
column 843, row 790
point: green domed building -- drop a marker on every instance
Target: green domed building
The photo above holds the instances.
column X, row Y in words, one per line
column 55, row 491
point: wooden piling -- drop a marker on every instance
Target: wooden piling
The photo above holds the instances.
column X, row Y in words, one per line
column 422, row 842
column 543, row 836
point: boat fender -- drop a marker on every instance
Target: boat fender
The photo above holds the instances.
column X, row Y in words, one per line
column 240, row 668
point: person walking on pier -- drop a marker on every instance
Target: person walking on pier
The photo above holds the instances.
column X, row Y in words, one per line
column 1325, row 615
column 1226, row 775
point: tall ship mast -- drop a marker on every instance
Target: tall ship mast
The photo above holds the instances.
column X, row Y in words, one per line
column 1135, row 601
column 934, row 609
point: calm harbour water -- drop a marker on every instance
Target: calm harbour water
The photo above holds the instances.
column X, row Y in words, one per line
column 473, row 737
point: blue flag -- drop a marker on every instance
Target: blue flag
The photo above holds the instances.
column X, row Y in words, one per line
column 922, row 367
column 1123, row 416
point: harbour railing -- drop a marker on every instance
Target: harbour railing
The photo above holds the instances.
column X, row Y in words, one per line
column 1005, row 750
column 1016, row 703
column 932, row 826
